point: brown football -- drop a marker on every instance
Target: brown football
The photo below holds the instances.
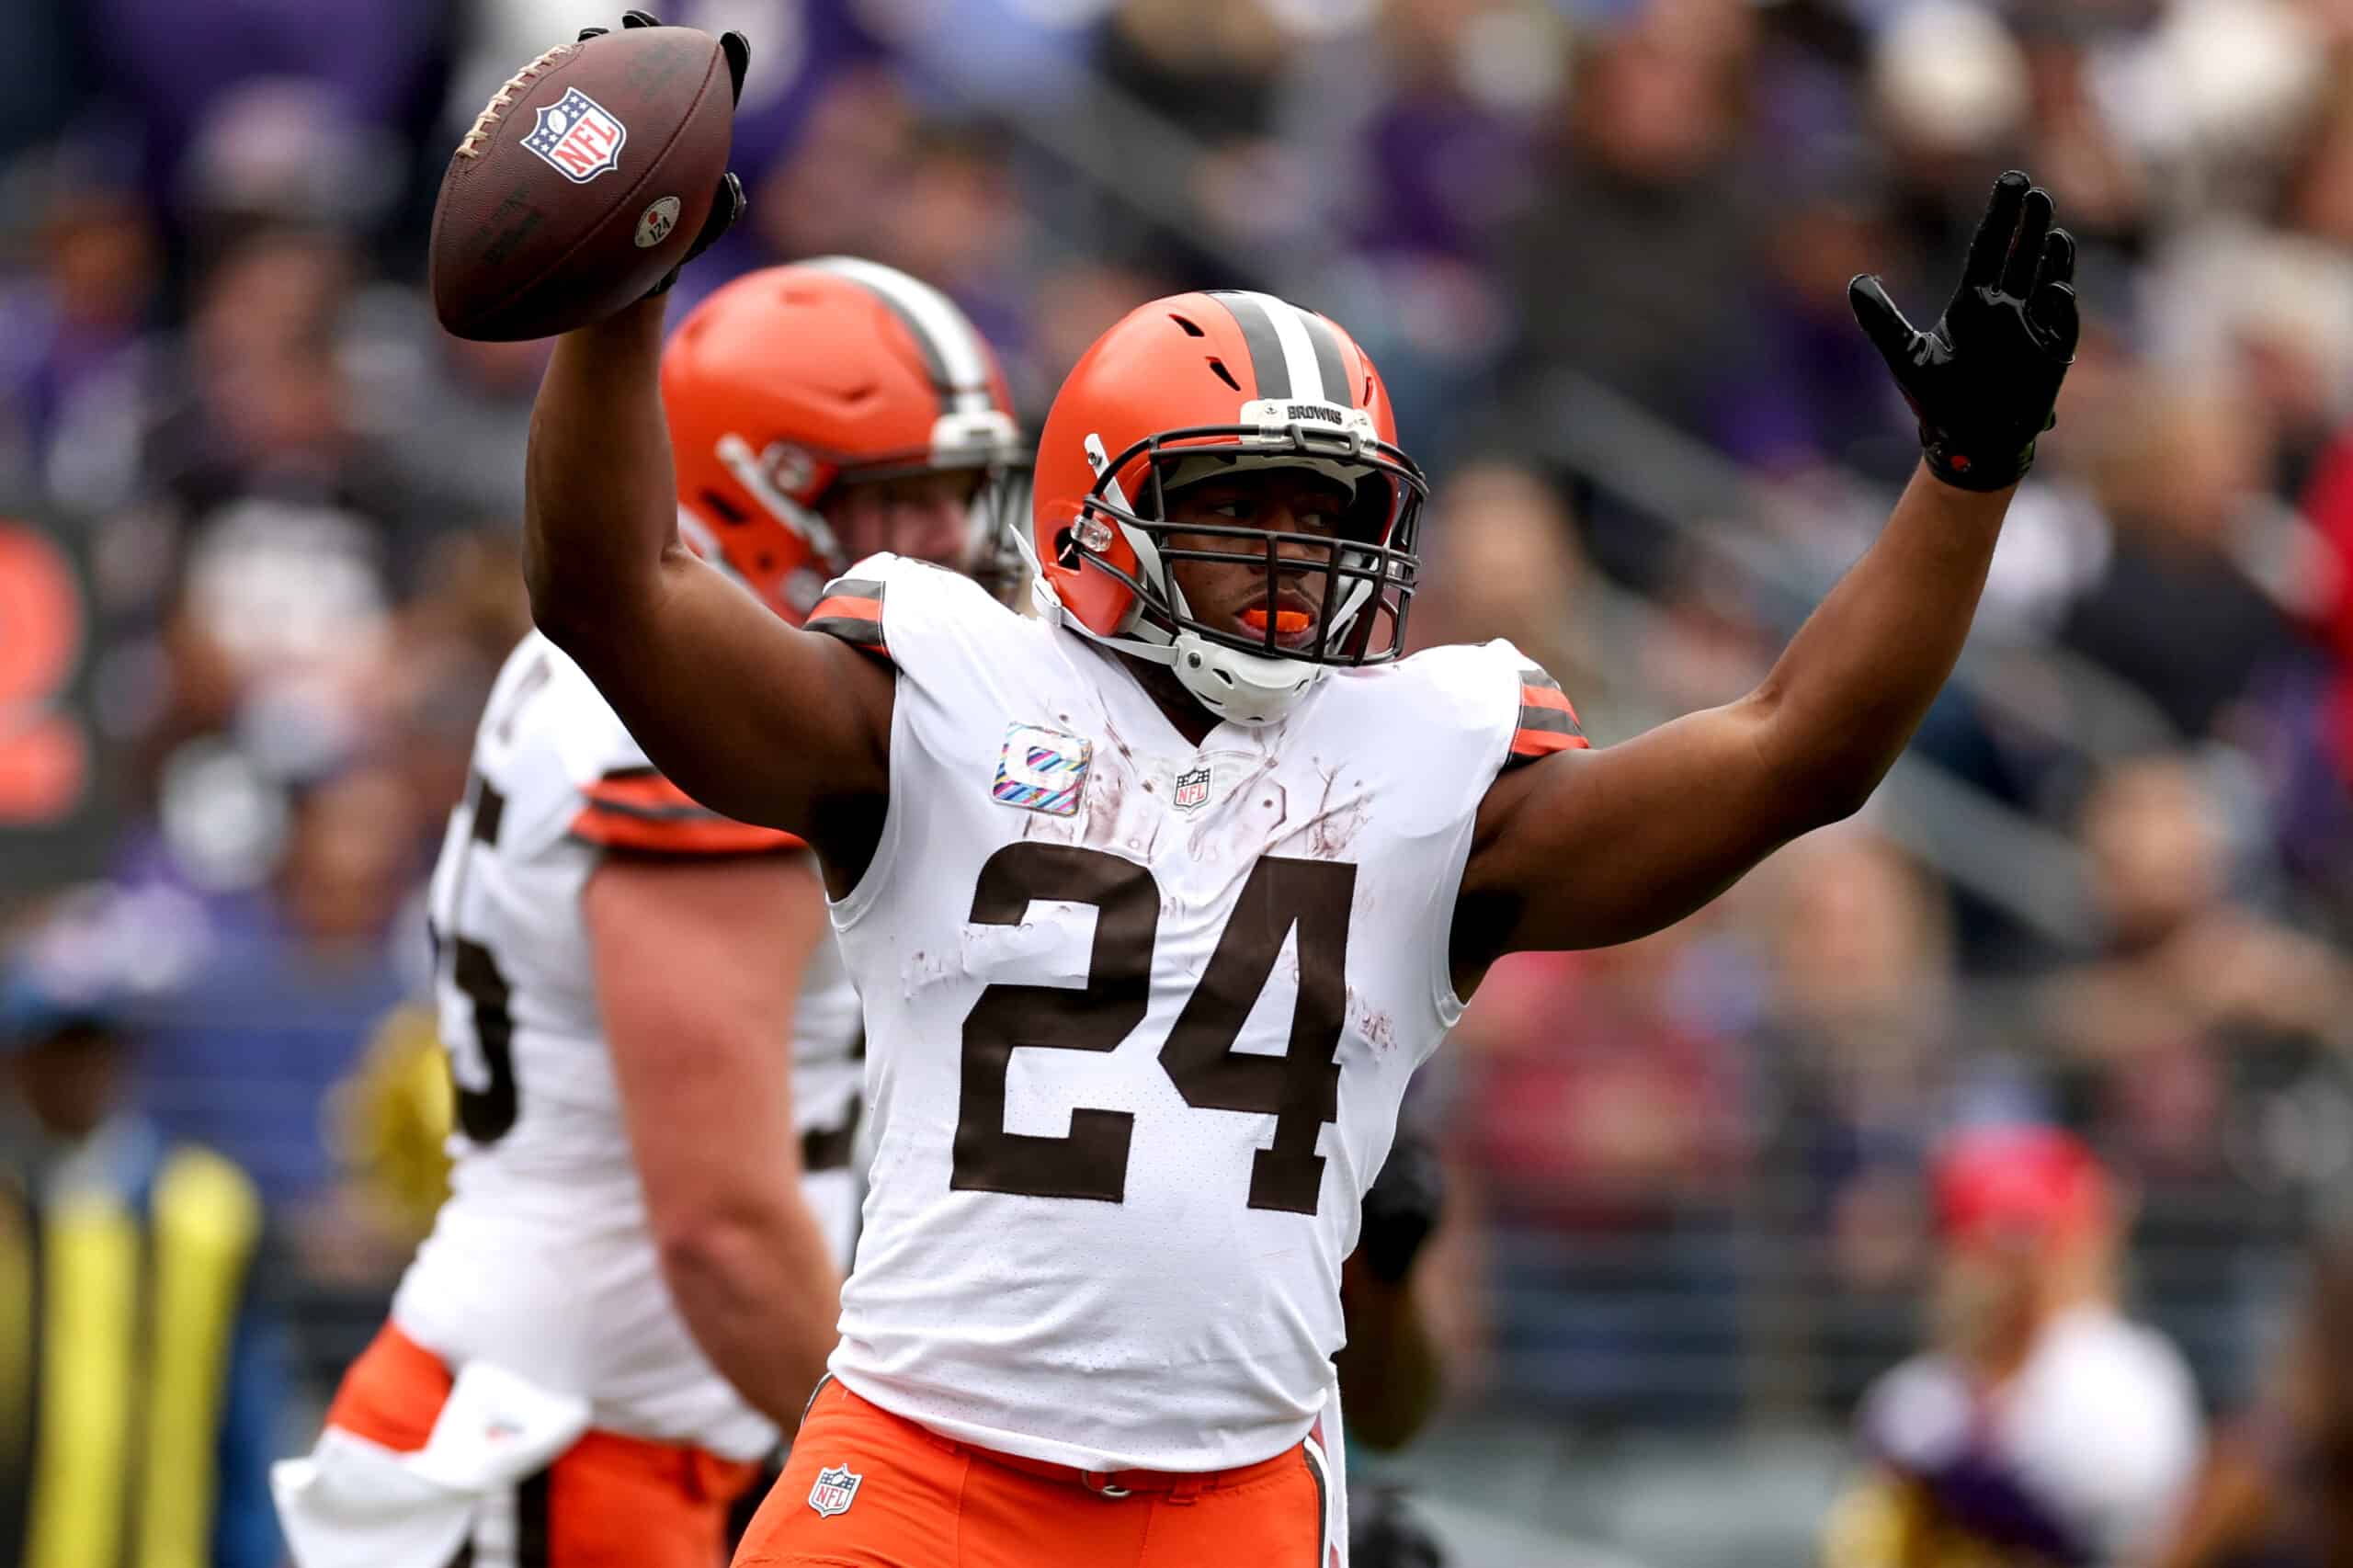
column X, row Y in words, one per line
column 584, row 181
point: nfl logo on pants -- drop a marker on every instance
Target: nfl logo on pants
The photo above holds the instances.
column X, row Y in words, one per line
column 835, row 1489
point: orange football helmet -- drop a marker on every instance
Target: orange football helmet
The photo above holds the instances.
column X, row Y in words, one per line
column 794, row 380
column 1244, row 380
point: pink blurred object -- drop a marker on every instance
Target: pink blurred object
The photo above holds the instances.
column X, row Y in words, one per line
column 2035, row 1184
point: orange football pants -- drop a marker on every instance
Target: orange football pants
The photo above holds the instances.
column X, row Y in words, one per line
column 608, row 1501
column 924, row 1501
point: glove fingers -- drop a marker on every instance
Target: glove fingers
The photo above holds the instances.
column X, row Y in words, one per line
column 738, row 50
column 640, row 19
column 725, row 209
column 1991, row 249
column 1882, row 322
column 587, row 33
column 2058, row 258
column 2026, row 256
column 2052, row 312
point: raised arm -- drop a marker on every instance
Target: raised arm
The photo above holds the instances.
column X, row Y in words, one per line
column 750, row 716
column 1592, row 847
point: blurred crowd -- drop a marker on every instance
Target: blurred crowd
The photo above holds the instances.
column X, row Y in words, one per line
column 1600, row 248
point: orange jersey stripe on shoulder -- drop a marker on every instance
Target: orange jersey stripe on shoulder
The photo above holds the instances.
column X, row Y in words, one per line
column 1544, row 742
column 682, row 835
column 1547, row 697
column 640, row 788
column 841, row 607
column 639, row 809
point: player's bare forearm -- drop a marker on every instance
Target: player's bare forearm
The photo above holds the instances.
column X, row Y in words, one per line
column 1842, row 702
column 750, row 716
column 761, row 1295
column 599, row 504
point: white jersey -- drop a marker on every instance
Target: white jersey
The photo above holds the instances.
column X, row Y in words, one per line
column 1139, row 1016
column 541, row 1261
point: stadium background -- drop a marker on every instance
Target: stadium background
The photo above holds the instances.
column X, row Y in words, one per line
column 259, row 566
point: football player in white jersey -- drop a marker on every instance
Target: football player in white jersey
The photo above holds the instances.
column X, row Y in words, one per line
column 652, row 1201
column 1156, row 900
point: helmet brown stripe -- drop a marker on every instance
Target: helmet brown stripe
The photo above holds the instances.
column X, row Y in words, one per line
column 1268, row 368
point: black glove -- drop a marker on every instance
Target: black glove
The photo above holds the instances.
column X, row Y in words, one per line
column 727, row 205
column 1401, row 1208
column 1984, row 381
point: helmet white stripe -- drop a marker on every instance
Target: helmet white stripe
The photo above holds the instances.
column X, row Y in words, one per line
column 943, row 329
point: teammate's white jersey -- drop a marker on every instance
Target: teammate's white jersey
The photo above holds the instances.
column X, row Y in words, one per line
column 1139, row 1016
column 541, row 1261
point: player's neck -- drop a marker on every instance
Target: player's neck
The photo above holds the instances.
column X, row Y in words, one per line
column 1179, row 706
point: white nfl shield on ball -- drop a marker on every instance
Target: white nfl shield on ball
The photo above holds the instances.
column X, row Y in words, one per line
column 577, row 137
column 835, row 1489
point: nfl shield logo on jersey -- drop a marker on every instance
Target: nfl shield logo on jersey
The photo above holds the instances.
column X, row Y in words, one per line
column 1193, row 787
column 835, row 1489
column 577, row 137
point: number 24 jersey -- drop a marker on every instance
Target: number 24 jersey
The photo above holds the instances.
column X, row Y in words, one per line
column 1139, row 1015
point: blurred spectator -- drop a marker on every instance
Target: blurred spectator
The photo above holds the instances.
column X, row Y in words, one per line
column 1639, row 249
column 296, row 978
column 376, row 66
column 2204, row 1039
column 2194, row 993
column 833, row 191
column 1857, row 1057
column 1501, row 559
column 139, row 1379
column 1810, row 396
column 2044, row 1426
column 1599, row 1118
column 2182, row 612
column 2330, row 504
column 70, row 359
column 2277, row 1486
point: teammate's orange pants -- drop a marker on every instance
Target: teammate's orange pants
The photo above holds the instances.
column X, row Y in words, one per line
column 608, row 1501
column 923, row 1501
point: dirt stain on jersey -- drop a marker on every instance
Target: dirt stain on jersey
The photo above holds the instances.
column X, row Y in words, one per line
column 922, row 970
column 1379, row 1030
column 1334, row 827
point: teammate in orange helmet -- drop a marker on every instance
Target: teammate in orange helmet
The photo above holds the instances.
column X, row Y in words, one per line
column 1156, row 901
column 801, row 449
column 632, row 1288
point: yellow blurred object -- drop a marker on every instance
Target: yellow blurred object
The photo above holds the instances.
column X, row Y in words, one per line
column 1885, row 1521
column 390, row 1121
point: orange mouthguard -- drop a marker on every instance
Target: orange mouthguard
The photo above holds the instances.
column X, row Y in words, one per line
column 1286, row 620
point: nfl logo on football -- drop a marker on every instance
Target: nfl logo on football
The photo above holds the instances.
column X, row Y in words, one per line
column 835, row 1489
column 1193, row 787
column 577, row 137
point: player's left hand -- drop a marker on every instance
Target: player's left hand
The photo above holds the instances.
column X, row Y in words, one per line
column 1985, row 379
column 727, row 205
column 1401, row 1208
